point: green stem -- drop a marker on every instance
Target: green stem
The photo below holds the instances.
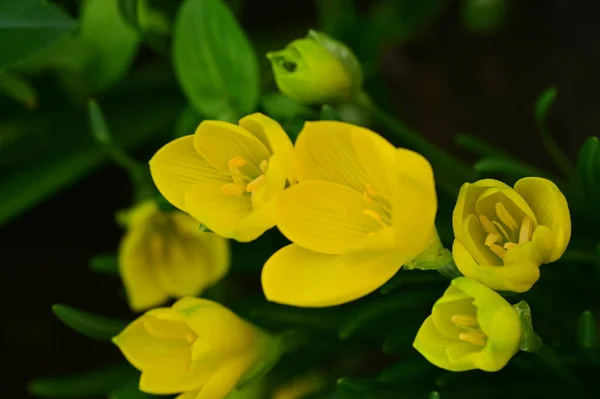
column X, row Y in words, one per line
column 453, row 171
column 554, row 363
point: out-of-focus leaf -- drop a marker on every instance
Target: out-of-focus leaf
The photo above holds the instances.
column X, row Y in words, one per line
column 130, row 391
column 484, row 16
column 18, row 89
column 408, row 370
column 337, row 18
column 112, row 41
column 28, row 26
column 400, row 338
column 187, row 122
column 479, row 146
column 414, row 277
column 329, row 113
column 507, row 167
column 129, row 11
column 91, row 383
column 588, row 167
column 106, row 264
column 587, row 334
column 280, row 107
column 215, row 63
column 91, row 325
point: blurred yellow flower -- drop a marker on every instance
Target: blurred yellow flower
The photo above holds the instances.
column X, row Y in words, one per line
column 164, row 254
column 227, row 176
column 471, row 327
column 503, row 235
column 316, row 70
column 301, row 386
column 196, row 347
column 361, row 209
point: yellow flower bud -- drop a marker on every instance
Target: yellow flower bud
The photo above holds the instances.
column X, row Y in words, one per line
column 316, row 70
column 227, row 176
column 503, row 234
column 164, row 254
column 470, row 327
column 196, row 347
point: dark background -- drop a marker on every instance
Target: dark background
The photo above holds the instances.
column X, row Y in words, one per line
column 444, row 81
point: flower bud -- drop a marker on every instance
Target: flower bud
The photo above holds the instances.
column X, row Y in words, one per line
column 317, row 70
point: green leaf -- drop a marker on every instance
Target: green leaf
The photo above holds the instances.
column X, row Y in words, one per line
column 588, row 167
column 28, row 26
column 130, row 391
column 414, row 277
column 478, row 146
column 486, row 17
column 587, row 335
column 408, row 370
column 187, row 122
column 106, row 264
column 215, row 62
column 329, row 113
column 112, row 41
column 544, row 103
column 129, row 12
column 508, row 167
column 91, row 383
column 91, row 325
column 280, row 107
column 18, row 89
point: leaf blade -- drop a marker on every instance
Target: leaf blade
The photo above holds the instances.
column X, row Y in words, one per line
column 91, row 325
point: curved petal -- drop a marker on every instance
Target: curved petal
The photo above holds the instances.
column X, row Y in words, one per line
column 551, row 209
column 188, row 395
column 516, row 206
column 224, row 379
column 218, row 142
column 414, row 203
column 276, row 176
column 326, row 217
column 517, row 277
column 474, row 241
column 227, row 215
column 136, row 270
column 467, row 197
column 174, row 377
column 324, row 151
column 177, row 166
column 503, row 329
column 299, row 277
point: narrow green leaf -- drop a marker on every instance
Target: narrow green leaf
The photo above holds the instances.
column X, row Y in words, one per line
column 407, row 370
column 214, row 61
column 91, row 383
column 588, row 167
column 29, row 26
column 129, row 12
column 479, row 146
column 130, row 391
column 106, row 264
column 400, row 338
column 91, row 325
column 587, row 334
column 18, row 89
column 544, row 103
column 508, row 167
column 329, row 113
column 434, row 395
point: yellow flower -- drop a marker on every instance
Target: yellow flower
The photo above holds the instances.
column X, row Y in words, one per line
column 470, row 327
column 197, row 347
column 301, row 386
column 227, row 176
column 164, row 254
column 503, row 235
column 361, row 209
column 316, row 70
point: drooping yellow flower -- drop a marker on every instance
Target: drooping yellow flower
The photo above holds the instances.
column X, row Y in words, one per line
column 361, row 209
column 470, row 327
column 301, row 386
column 227, row 176
column 196, row 347
column 164, row 254
column 503, row 235
column 316, row 70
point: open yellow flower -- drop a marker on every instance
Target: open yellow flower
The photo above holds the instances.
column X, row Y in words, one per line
column 197, row 348
column 361, row 209
column 227, row 176
column 164, row 254
column 503, row 235
column 471, row 327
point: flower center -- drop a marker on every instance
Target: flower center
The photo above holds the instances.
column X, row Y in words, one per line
column 505, row 233
column 379, row 207
column 246, row 177
column 473, row 333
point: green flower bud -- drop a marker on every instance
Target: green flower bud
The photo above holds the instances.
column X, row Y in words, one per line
column 317, row 70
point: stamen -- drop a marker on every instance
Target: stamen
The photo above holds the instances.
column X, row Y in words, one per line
column 256, row 183
column 232, row 188
column 370, row 190
column 509, row 245
column 237, row 162
column 491, row 238
column 464, row 320
column 487, row 225
column 367, row 198
column 526, row 230
column 505, row 216
column 500, row 228
column 375, row 215
column 473, row 337
column 498, row 250
column 263, row 166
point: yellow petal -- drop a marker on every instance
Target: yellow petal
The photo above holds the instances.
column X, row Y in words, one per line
column 136, row 270
column 516, row 206
column 224, row 379
column 551, row 209
column 414, row 203
column 516, row 277
column 272, row 135
column 177, row 166
column 325, row 217
column 474, row 240
column 324, row 151
column 276, row 176
column 299, row 277
column 434, row 347
column 467, row 197
column 227, row 215
column 174, row 377
column 444, row 310
column 188, row 395
column 218, row 142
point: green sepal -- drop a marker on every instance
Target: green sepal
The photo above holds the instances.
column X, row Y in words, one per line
column 530, row 341
column 88, row 324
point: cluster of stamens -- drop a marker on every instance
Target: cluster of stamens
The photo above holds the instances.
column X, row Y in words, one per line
column 242, row 183
column 383, row 215
column 473, row 333
column 506, row 233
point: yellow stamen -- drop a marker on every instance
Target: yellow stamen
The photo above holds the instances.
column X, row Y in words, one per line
column 526, row 230
column 509, row 245
column 505, row 217
column 370, row 190
column 237, row 162
column 367, row 198
column 487, row 225
column 473, row 337
column 256, row 183
column 498, row 226
column 498, row 250
column 263, row 166
column 232, row 188
column 375, row 215
column 464, row 320
column 491, row 239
